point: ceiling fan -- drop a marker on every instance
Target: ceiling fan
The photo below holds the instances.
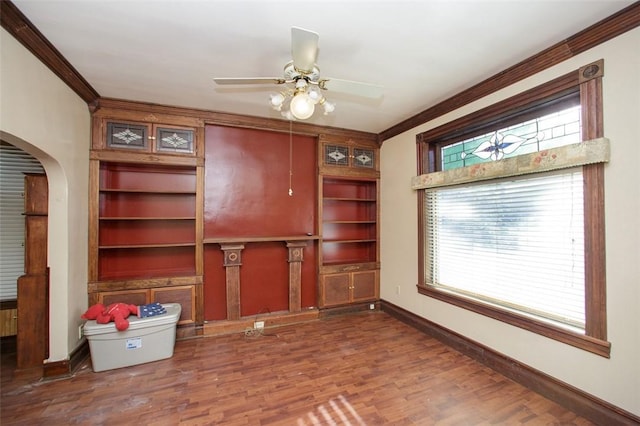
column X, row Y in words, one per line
column 304, row 86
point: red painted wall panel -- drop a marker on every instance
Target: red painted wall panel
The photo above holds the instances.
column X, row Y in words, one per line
column 247, row 195
column 264, row 279
column 247, row 183
column 215, row 293
column 309, row 292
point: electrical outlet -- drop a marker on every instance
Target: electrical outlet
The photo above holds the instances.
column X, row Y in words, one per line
column 258, row 324
column 372, row 306
column 398, row 290
column 80, row 331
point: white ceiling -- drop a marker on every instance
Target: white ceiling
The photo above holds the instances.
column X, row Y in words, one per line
column 422, row 52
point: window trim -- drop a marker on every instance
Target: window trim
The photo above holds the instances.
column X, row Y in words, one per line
column 588, row 85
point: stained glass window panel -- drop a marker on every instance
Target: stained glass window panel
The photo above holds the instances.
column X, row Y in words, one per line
column 550, row 131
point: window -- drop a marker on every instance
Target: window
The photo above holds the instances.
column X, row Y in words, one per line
column 526, row 246
column 14, row 163
column 516, row 243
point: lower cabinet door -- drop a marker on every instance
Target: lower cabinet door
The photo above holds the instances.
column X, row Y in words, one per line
column 130, row 297
column 364, row 286
column 335, row 289
column 348, row 287
column 184, row 295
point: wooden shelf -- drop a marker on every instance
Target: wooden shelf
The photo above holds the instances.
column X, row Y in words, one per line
column 146, row 218
column 146, row 191
column 350, row 221
column 348, row 241
column 143, row 246
column 363, row 200
column 162, row 282
column 240, row 240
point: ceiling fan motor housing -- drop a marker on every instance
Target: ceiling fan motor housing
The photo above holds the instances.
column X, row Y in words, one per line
column 292, row 73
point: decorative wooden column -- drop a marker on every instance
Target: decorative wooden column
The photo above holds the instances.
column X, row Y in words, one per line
column 232, row 263
column 296, row 251
column 33, row 287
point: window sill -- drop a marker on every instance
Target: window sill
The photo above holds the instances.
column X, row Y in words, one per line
column 587, row 343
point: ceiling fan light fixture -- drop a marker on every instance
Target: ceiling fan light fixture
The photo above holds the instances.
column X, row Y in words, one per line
column 328, row 107
column 304, row 87
column 301, row 84
column 315, row 95
column 276, row 101
column 302, row 107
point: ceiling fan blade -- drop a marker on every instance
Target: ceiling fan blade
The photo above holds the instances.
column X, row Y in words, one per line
column 352, row 87
column 250, row 80
column 304, row 48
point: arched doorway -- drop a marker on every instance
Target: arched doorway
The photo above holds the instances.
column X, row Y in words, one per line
column 23, row 257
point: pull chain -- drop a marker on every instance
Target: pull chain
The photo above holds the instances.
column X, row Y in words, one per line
column 290, row 158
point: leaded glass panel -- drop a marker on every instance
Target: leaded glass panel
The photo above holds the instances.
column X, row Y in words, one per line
column 174, row 140
column 336, row 155
column 363, row 158
column 550, row 131
column 128, row 136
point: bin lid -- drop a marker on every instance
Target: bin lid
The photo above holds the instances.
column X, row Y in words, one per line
column 91, row 327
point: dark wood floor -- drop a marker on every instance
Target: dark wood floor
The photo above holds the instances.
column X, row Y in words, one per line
column 358, row 369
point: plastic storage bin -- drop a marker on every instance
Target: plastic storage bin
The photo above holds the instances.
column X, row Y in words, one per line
column 146, row 340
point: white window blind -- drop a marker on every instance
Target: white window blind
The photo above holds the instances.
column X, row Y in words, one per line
column 13, row 164
column 517, row 243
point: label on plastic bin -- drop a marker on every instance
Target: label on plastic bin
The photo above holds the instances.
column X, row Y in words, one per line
column 135, row 343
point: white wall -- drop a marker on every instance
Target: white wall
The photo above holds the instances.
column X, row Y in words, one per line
column 615, row 380
column 43, row 116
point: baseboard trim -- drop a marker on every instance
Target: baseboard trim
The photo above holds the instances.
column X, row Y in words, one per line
column 350, row 309
column 580, row 402
column 275, row 319
column 66, row 367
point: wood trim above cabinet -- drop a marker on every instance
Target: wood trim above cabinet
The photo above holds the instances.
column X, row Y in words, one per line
column 141, row 113
column 144, row 157
column 148, row 126
column 347, row 148
column 335, row 269
column 102, row 286
column 137, row 111
column 245, row 240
